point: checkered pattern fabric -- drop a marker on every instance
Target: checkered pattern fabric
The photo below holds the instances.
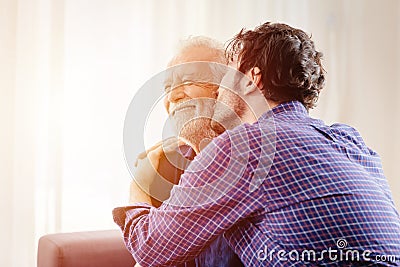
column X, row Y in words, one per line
column 279, row 190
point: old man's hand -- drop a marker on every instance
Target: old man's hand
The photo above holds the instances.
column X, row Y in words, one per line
column 147, row 168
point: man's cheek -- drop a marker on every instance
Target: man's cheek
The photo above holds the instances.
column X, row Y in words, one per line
column 222, row 117
column 223, row 97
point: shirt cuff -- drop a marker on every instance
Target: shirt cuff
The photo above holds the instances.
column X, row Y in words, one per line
column 120, row 213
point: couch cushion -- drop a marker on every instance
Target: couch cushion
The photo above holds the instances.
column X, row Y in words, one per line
column 84, row 249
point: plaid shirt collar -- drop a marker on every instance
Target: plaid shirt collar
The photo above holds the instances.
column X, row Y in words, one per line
column 295, row 108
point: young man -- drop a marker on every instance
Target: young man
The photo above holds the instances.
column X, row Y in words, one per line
column 318, row 198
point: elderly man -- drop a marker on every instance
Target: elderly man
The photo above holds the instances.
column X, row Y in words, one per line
column 191, row 89
column 318, row 198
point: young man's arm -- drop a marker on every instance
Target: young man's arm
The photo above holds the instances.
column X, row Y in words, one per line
column 213, row 195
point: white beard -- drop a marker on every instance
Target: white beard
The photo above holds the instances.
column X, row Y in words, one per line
column 194, row 123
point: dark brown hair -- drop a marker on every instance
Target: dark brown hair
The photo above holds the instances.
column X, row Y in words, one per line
column 290, row 66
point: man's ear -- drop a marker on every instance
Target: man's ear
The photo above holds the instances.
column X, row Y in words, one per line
column 254, row 75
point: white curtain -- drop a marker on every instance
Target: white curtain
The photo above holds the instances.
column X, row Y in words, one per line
column 69, row 68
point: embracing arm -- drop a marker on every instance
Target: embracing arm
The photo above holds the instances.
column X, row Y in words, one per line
column 213, row 195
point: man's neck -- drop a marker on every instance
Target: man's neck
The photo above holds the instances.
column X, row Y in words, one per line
column 272, row 104
column 252, row 115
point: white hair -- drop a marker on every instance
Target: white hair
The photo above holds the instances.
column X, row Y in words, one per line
column 204, row 41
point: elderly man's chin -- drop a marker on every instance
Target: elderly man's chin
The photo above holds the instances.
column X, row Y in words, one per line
column 197, row 132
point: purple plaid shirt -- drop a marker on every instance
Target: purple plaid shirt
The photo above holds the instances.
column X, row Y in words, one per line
column 319, row 197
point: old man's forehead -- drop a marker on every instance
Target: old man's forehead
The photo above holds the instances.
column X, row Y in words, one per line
column 195, row 71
